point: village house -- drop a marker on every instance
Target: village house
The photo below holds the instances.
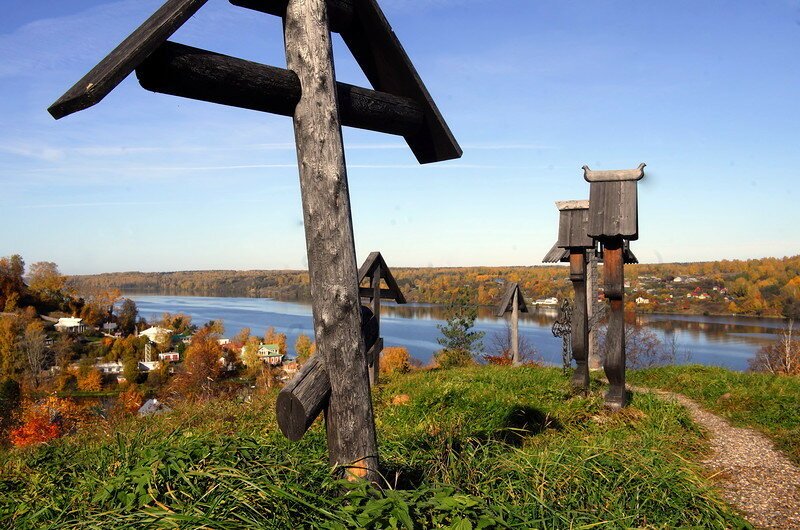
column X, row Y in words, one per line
column 156, row 334
column 546, row 301
column 270, row 354
column 169, row 357
column 70, row 325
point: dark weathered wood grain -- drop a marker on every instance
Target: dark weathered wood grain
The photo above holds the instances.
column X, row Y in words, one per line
column 614, row 364
column 378, row 51
column 580, row 325
column 507, row 301
column 117, row 65
column 374, row 373
column 306, row 395
column 194, row 73
column 374, row 260
column 556, row 254
column 332, row 268
column 573, row 226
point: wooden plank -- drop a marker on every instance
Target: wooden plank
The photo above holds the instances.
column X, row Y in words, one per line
column 507, row 301
column 117, row 65
column 580, row 323
column 376, row 310
column 333, row 273
column 573, row 224
column 556, row 254
column 367, row 292
column 306, row 395
column 614, row 174
column 614, row 365
column 378, row 51
column 194, row 73
column 515, row 360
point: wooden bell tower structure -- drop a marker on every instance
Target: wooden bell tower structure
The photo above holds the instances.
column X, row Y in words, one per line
column 306, row 90
column 613, row 220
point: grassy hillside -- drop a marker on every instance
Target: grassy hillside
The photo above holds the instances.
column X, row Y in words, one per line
column 485, row 447
column 768, row 403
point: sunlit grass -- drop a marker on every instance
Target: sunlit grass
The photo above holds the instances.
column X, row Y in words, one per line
column 480, row 447
column 768, row 403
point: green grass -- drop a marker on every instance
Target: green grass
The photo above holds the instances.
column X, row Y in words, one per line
column 474, row 448
column 768, row 403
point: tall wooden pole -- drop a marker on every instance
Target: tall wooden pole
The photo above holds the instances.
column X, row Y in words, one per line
column 591, row 300
column 580, row 324
column 376, row 311
column 329, row 240
column 614, row 366
column 515, row 329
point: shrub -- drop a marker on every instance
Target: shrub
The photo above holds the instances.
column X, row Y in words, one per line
column 395, row 360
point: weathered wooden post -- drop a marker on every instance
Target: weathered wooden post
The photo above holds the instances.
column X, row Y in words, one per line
column 613, row 218
column 513, row 301
column 572, row 236
column 374, row 269
column 307, row 91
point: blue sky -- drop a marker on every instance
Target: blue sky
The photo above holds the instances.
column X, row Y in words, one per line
column 706, row 93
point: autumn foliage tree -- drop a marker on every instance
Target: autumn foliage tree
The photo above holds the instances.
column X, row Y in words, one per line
column 303, row 348
column 201, row 367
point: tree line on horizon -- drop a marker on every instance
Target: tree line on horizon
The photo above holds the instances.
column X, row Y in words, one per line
column 758, row 287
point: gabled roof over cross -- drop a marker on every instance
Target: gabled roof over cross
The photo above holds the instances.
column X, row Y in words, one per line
column 364, row 29
column 368, row 270
column 506, row 303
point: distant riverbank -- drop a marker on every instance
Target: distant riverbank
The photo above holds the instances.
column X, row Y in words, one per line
column 717, row 341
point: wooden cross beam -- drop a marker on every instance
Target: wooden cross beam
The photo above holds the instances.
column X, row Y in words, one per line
column 378, row 51
column 308, row 91
column 193, row 73
column 513, row 301
column 613, row 220
column 374, row 269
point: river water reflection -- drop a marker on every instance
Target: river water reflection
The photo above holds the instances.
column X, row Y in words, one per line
column 722, row 341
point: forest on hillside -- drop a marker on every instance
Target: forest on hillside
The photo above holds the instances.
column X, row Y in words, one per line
column 759, row 287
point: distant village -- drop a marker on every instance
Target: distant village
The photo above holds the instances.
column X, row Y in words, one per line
column 164, row 346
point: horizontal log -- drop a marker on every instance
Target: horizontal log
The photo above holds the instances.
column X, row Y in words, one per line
column 184, row 71
column 304, row 397
column 340, row 12
column 367, row 292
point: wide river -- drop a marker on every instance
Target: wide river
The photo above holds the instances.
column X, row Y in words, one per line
column 722, row 341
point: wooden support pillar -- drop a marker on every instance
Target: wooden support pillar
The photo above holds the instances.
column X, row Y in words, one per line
column 614, row 366
column 580, row 324
column 595, row 362
column 376, row 311
column 329, row 241
column 515, row 330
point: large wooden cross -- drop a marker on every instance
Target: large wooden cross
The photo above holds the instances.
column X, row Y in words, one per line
column 613, row 220
column 307, row 90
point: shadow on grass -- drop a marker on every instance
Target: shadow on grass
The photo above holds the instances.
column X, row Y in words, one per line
column 522, row 422
column 402, row 477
